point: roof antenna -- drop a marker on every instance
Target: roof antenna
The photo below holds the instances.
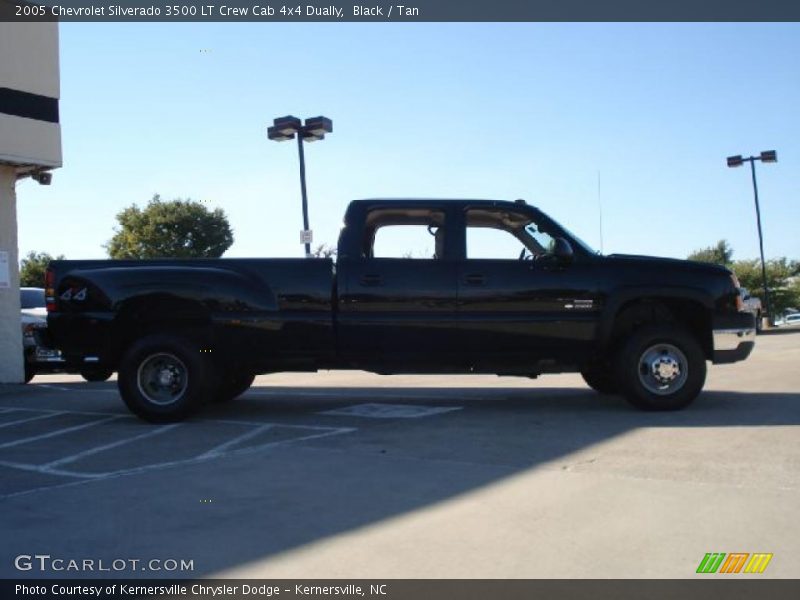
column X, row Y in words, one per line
column 600, row 210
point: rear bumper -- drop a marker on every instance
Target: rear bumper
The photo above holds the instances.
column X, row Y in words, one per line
column 733, row 337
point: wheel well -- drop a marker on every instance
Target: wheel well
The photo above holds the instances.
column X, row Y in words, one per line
column 695, row 317
column 149, row 315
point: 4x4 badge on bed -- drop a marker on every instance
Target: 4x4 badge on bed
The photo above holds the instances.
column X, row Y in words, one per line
column 68, row 295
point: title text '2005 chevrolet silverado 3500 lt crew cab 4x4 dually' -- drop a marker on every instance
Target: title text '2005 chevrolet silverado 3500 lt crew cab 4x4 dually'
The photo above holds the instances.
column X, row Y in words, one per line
column 181, row 332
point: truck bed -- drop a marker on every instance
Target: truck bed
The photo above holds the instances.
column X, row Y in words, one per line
column 252, row 304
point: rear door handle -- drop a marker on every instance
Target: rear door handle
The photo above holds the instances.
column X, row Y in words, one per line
column 475, row 279
column 371, row 280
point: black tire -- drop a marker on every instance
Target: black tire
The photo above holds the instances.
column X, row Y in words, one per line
column 96, row 373
column 600, row 379
column 759, row 324
column 661, row 367
column 232, row 385
column 29, row 372
column 163, row 378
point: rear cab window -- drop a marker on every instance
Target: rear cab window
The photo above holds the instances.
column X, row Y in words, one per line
column 410, row 233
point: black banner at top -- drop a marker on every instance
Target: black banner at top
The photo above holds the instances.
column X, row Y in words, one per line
column 400, row 11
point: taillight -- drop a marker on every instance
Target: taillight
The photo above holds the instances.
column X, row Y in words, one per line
column 49, row 290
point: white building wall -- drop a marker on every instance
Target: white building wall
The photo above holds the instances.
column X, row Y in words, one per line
column 29, row 63
column 11, row 361
column 29, row 60
column 30, row 140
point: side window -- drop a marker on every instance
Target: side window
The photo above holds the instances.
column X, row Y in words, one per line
column 405, row 233
column 501, row 234
column 492, row 243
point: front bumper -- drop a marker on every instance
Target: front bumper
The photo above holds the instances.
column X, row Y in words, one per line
column 734, row 337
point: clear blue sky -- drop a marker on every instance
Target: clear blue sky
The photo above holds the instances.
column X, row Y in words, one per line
column 430, row 110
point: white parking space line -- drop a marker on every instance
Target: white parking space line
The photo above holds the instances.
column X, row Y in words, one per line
column 103, row 448
column 50, row 386
column 53, row 387
column 389, row 411
column 249, row 450
column 43, row 469
column 35, row 418
column 90, row 413
column 127, row 415
column 91, row 477
column 50, row 434
column 218, row 450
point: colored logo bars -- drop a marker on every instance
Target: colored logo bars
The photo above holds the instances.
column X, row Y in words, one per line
column 736, row 562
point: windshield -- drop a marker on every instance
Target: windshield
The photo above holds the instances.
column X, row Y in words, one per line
column 32, row 298
column 579, row 241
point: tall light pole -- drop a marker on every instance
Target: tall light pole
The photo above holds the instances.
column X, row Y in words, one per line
column 768, row 156
column 314, row 129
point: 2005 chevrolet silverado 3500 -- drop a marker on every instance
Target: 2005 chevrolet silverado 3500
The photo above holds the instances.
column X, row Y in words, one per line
column 182, row 332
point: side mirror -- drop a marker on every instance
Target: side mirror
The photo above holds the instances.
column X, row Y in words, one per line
column 562, row 251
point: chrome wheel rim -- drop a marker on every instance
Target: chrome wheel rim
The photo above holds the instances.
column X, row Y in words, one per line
column 162, row 378
column 663, row 369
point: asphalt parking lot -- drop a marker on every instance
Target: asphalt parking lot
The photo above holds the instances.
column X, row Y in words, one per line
column 356, row 475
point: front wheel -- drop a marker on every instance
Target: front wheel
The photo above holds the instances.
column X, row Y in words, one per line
column 163, row 378
column 661, row 367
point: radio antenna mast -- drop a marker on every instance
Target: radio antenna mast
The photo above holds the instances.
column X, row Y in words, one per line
column 600, row 210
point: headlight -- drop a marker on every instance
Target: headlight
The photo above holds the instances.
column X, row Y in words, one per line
column 737, row 285
column 29, row 329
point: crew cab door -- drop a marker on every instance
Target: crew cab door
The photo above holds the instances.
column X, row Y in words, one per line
column 518, row 304
column 397, row 297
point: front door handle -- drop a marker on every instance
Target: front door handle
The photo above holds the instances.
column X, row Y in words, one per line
column 371, row 280
column 475, row 279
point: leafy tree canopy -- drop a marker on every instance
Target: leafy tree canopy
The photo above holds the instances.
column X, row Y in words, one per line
column 782, row 275
column 324, row 251
column 173, row 229
column 721, row 254
column 32, row 268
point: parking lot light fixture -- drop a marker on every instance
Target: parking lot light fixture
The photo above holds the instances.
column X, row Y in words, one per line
column 287, row 128
column 767, row 156
column 735, row 161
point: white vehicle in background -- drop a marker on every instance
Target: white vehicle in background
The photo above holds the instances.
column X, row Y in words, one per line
column 792, row 320
column 39, row 357
column 752, row 304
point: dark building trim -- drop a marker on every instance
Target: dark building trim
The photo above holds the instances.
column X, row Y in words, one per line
column 29, row 106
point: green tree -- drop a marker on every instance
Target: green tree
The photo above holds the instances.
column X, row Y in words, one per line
column 32, row 268
column 784, row 292
column 721, row 254
column 324, row 251
column 174, row 229
column 782, row 275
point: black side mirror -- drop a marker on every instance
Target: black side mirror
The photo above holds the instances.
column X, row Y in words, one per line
column 562, row 251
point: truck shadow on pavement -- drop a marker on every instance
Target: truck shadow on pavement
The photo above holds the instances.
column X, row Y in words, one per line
column 245, row 508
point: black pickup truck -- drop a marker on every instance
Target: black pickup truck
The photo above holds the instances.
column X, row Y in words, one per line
column 503, row 289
